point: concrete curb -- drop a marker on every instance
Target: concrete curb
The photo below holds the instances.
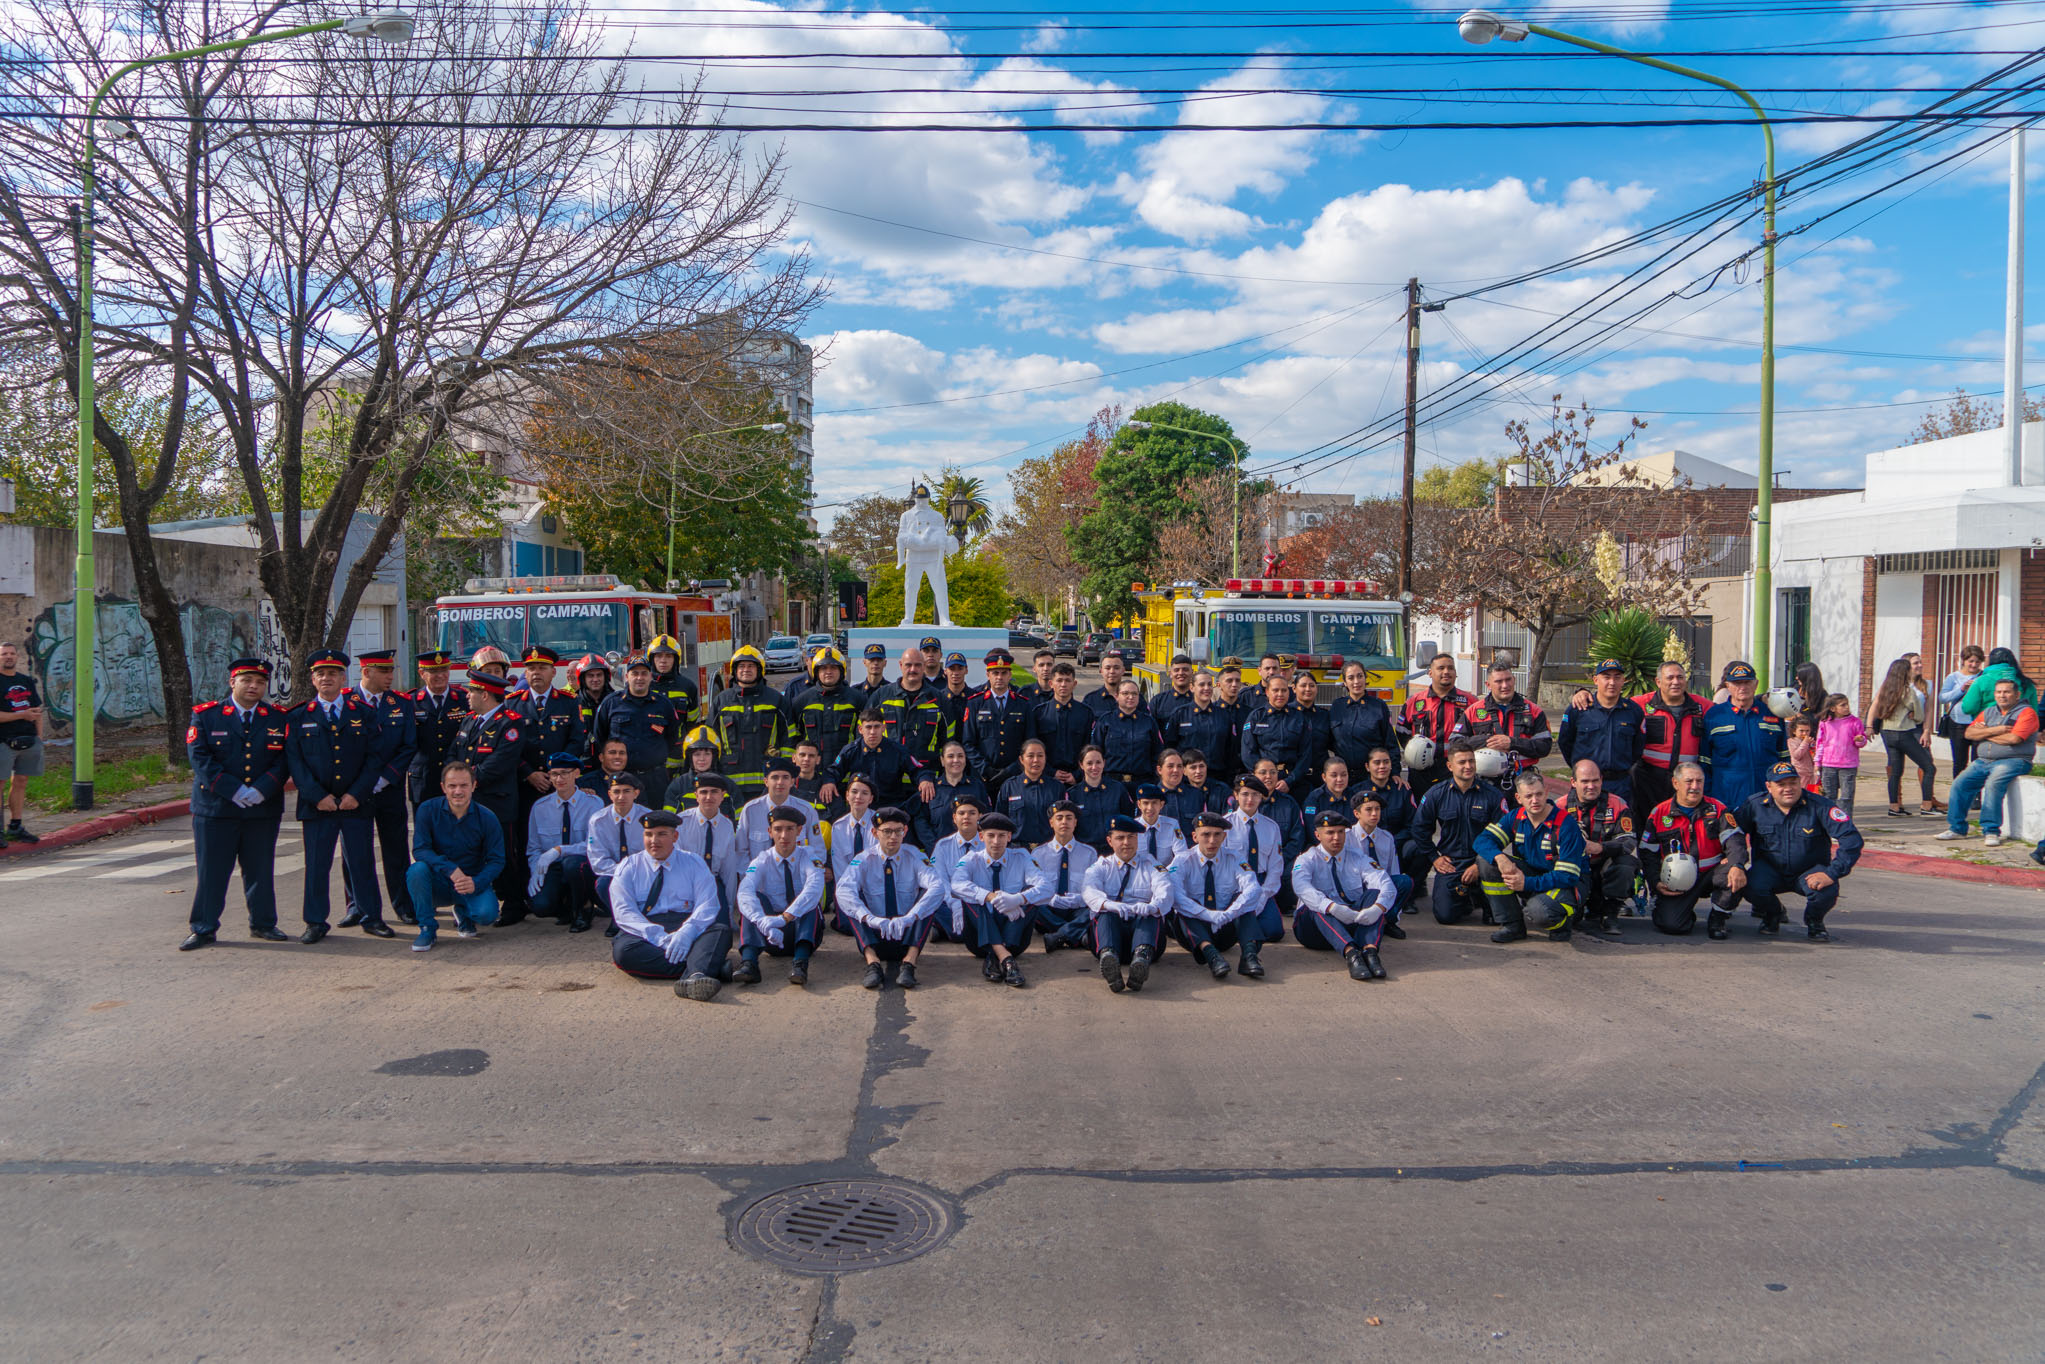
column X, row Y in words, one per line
column 1952, row 869
column 85, row 830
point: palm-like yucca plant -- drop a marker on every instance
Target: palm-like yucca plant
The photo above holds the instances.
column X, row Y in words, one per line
column 1635, row 638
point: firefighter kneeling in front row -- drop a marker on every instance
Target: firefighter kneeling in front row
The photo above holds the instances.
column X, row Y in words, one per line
column 1691, row 848
column 1532, row 858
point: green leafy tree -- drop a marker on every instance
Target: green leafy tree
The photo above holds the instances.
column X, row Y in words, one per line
column 976, row 583
column 1469, row 484
column 951, row 483
column 1141, row 486
column 39, row 451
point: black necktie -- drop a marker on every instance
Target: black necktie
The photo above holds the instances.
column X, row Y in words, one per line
column 1335, row 874
column 1210, row 886
column 624, row 850
column 1251, row 825
column 858, row 839
column 890, row 906
column 565, row 807
column 1128, row 870
column 1153, row 842
column 1064, row 870
column 788, row 883
column 998, row 866
column 653, row 891
column 709, row 842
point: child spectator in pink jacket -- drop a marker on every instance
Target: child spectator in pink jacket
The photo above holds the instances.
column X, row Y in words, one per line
column 1841, row 737
column 1803, row 751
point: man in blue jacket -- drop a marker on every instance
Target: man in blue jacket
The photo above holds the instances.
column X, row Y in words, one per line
column 1799, row 843
column 458, row 852
column 236, row 748
column 1742, row 740
column 1610, row 731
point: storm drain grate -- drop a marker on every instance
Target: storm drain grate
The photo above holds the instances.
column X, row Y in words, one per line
column 842, row 1225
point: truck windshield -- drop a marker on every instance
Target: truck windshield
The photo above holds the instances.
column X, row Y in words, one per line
column 465, row 629
column 574, row 628
column 1374, row 640
column 1249, row 633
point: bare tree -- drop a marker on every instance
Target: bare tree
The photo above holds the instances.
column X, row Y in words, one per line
column 443, row 232
column 1964, row 413
column 1553, row 553
column 1200, row 547
column 865, row 530
column 1363, row 542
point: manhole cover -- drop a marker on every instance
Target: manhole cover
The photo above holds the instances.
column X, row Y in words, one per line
column 843, row 1225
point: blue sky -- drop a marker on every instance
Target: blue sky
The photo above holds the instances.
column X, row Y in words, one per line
column 1275, row 259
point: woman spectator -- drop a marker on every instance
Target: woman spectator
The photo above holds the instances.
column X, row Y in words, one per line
column 1953, row 719
column 1898, row 715
column 1981, row 691
column 1811, row 694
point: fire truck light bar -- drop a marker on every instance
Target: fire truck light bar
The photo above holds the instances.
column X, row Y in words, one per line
column 1319, row 587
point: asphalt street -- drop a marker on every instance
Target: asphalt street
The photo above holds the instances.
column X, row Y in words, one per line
column 505, row 1149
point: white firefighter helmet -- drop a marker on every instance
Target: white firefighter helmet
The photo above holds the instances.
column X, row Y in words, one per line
column 1784, row 702
column 1419, row 753
column 1491, row 763
column 1679, row 871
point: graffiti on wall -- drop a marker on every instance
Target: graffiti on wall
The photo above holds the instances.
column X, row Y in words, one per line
column 127, row 683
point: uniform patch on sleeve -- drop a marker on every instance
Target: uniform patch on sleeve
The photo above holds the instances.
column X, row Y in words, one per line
column 192, row 735
column 1838, row 815
column 511, row 735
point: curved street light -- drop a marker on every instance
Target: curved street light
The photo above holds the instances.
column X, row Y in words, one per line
column 388, row 27
column 1480, row 26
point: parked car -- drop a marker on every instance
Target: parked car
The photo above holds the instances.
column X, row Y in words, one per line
column 784, row 654
column 1065, row 642
column 1020, row 641
column 820, row 640
column 1093, row 646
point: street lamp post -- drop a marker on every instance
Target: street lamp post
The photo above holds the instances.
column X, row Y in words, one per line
column 1481, row 26
column 772, row 428
column 389, row 28
column 1235, row 542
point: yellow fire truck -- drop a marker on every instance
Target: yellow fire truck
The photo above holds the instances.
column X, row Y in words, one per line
column 1322, row 625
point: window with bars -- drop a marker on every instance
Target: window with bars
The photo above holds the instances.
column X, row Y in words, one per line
column 1939, row 561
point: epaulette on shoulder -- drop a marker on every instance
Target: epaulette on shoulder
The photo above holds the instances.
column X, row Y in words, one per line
column 205, row 706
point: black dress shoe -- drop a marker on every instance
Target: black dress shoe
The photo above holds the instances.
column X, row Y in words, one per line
column 610, row 930
column 1357, row 970
column 579, row 924
column 1771, row 927
column 377, row 928
column 408, row 918
column 1392, row 930
column 354, row 919
column 748, row 972
column 1818, row 933
column 195, row 942
column 990, row 967
column 1139, row 969
column 874, row 977
column 1011, row 974
column 1250, row 964
column 1372, row 964
column 1111, row 971
column 905, row 976
column 798, row 974
column 268, row 935
column 1217, row 966
column 1513, row 934
column 313, row 933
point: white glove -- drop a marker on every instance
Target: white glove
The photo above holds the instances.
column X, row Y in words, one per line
column 1011, row 906
column 773, row 932
column 897, row 929
column 674, row 947
column 377, row 789
column 247, row 796
column 539, row 870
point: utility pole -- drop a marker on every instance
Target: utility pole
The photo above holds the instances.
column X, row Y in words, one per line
column 2013, row 326
column 1412, row 417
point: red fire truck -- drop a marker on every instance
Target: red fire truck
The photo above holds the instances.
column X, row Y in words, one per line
column 587, row 614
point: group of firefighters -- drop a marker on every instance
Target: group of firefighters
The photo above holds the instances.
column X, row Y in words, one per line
column 896, row 811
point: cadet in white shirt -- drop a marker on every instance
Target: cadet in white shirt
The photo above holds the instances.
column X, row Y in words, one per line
column 1159, row 838
column 945, row 857
column 1378, row 845
column 709, row 833
column 1001, row 888
column 852, row 833
column 891, row 897
column 1128, row 896
column 754, row 836
column 671, row 925
column 1063, row 918
column 1215, row 899
column 1343, row 898
column 559, row 880
column 614, row 835
column 1258, row 841
column 780, row 902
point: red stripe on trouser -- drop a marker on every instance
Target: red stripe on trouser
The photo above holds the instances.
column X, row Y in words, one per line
column 1335, row 930
column 858, row 933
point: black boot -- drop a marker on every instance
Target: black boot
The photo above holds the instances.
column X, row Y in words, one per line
column 1011, row 974
column 1216, row 966
column 1139, row 968
column 1372, row 964
column 1111, row 971
column 1251, row 964
column 1511, row 932
column 990, row 967
column 748, row 972
column 1714, row 926
column 1357, row 970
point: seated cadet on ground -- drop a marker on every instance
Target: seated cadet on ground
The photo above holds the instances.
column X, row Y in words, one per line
column 896, row 774
column 931, row 819
column 1445, row 829
column 1692, row 823
column 780, row 902
column 1027, row 797
column 1214, row 795
column 753, row 836
column 614, row 835
column 1159, row 836
column 1611, row 862
column 707, row 831
column 336, row 750
column 559, row 881
column 1127, row 896
column 1533, row 858
column 671, row 925
column 1062, row 861
column 1369, row 838
column 236, row 748
column 457, row 853
column 890, row 897
column 1345, row 901
column 1258, row 842
column 701, row 752
column 1282, row 810
column 1798, row 843
column 851, row 835
column 1099, row 798
column 1000, row 889
column 610, row 761
column 1215, row 899
column 946, row 854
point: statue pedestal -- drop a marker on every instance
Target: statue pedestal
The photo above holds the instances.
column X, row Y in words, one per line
column 971, row 640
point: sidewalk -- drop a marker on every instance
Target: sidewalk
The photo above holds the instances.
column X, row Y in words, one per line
column 1915, row 833
column 108, row 815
